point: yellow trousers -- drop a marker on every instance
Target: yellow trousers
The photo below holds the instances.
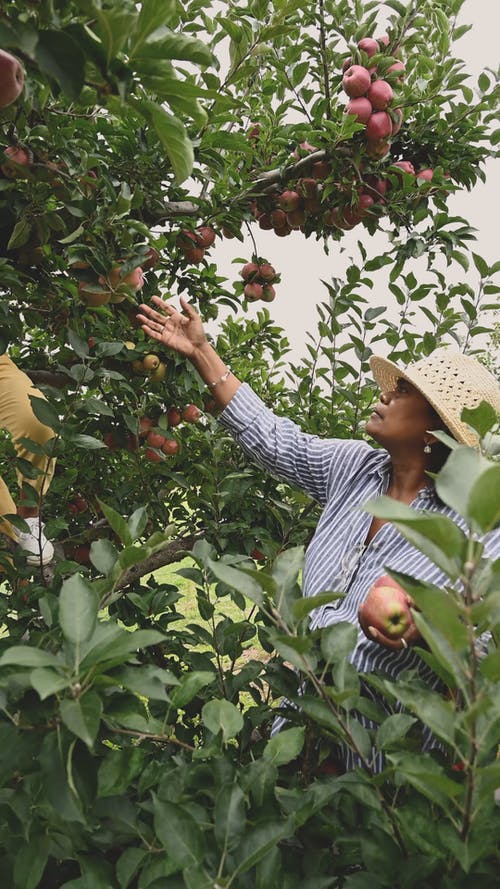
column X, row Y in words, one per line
column 17, row 417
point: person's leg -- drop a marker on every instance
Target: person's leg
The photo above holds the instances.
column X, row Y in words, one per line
column 17, row 417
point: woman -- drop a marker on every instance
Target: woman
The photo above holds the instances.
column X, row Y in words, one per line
column 350, row 549
column 17, row 417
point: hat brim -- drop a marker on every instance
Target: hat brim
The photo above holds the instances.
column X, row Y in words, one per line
column 386, row 374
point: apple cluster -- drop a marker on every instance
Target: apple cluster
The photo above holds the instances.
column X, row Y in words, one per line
column 371, row 97
column 151, row 433
column 110, row 288
column 259, row 276
column 193, row 244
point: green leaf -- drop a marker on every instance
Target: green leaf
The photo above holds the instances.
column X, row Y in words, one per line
column 44, row 412
column 258, row 841
column 87, row 442
column 78, row 605
column 458, row 476
column 128, row 864
column 137, row 522
column 146, row 680
column 79, row 345
column 284, row 746
column 117, row 523
column 176, row 46
column 26, row 656
column 303, row 606
column 103, row 555
column 220, row 715
column 178, row 833
column 82, row 717
column 237, row 580
column 484, row 499
column 30, row 863
column 48, row 682
column 438, row 537
column 481, row 265
column 482, row 418
column 118, row 769
column 20, row 234
column 229, row 817
column 153, row 14
column 393, row 730
column 172, row 135
column 189, row 687
column 338, row 640
column 112, row 645
column 61, row 58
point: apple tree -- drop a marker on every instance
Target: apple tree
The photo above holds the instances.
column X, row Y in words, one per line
column 136, row 138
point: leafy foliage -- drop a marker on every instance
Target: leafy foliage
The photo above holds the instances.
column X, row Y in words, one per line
column 136, row 748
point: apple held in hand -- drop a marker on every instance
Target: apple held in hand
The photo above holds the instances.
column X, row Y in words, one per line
column 385, row 615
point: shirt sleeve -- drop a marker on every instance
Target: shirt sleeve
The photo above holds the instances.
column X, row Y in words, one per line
column 317, row 466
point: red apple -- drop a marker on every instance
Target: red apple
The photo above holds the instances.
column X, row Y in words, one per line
column 380, row 95
column 249, row 271
column 397, row 67
column 153, row 455
column 278, row 219
column 426, row 175
column 133, row 279
column 356, row 81
column 320, row 170
column 386, row 609
column 383, row 39
column 369, row 46
column 195, row 254
column 252, row 292
column 379, row 126
column 265, row 222
column 302, row 148
column 296, row 218
column 170, row 446
column 205, row 236
column 155, row 439
column 191, row 413
column 92, row 295
column 406, row 166
column 11, row 78
column 145, row 424
column 15, row 158
column 268, row 293
column 173, row 417
column 151, row 259
column 284, row 231
column 379, row 186
column 361, row 108
column 307, row 187
column 81, row 554
column 289, row 200
column 131, row 442
column 267, row 273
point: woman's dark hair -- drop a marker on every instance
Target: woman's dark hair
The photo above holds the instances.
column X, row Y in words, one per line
column 439, row 451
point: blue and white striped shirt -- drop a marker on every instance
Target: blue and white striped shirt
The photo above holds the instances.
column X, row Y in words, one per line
column 342, row 475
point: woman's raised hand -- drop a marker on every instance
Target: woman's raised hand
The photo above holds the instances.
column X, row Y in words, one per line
column 182, row 332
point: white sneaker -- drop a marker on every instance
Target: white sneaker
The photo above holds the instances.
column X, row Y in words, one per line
column 34, row 543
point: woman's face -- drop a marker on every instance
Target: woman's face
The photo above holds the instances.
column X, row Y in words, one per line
column 402, row 418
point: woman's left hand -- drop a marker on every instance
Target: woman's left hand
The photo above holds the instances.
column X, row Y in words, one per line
column 410, row 636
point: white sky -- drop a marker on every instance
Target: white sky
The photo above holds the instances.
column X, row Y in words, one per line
column 302, row 263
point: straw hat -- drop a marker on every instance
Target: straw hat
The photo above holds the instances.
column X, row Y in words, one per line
column 449, row 381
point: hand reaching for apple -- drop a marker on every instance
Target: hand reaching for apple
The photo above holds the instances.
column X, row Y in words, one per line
column 385, row 615
column 182, row 332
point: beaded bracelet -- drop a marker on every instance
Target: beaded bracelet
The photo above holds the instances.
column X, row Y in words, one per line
column 221, row 379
